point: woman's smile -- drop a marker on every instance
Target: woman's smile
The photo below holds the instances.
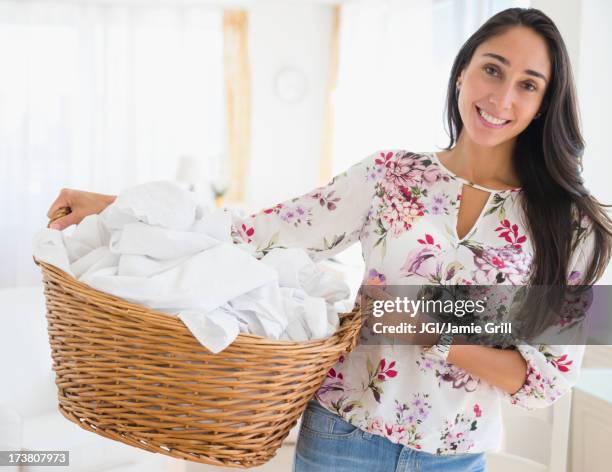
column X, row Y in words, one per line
column 489, row 120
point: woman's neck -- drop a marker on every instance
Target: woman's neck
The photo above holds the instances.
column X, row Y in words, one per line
column 488, row 166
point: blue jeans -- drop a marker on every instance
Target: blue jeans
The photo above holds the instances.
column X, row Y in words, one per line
column 327, row 443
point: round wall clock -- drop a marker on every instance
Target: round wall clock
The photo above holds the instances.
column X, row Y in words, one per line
column 290, row 84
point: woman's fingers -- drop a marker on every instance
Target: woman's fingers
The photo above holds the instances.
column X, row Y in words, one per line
column 79, row 204
column 61, row 201
column 65, row 221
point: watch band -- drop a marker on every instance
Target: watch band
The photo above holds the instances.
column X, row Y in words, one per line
column 441, row 349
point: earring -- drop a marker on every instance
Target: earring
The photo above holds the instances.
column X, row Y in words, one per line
column 537, row 115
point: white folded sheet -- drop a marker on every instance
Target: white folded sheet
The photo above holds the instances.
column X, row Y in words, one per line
column 158, row 247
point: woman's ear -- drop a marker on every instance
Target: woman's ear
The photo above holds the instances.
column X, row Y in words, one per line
column 543, row 107
column 460, row 77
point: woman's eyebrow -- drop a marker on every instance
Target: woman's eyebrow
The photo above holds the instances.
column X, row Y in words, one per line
column 506, row 62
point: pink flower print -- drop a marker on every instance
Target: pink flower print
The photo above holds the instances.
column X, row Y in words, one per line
column 333, row 387
column 574, row 306
column 495, row 265
column 431, row 175
column 378, row 375
column 395, row 432
column 458, row 378
column 246, row 233
column 409, row 417
column 405, row 192
column 456, row 435
column 326, row 200
column 497, row 262
column 397, row 174
column 399, row 212
column 384, row 159
column 375, row 425
column 376, row 278
column 477, row 410
column 562, row 363
column 537, row 386
column 511, row 234
column 422, row 261
column 332, row 374
column 428, row 240
column 451, row 271
column 275, row 208
column 388, row 372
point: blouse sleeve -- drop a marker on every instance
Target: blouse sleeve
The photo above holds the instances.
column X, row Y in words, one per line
column 552, row 370
column 323, row 222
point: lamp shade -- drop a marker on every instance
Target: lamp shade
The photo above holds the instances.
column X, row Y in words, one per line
column 188, row 170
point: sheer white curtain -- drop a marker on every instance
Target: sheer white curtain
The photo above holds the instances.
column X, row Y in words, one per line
column 99, row 97
column 395, row 60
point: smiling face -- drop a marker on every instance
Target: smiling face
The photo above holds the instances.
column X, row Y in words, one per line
column 503, row 86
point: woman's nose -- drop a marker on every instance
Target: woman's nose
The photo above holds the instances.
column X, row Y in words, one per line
column 503, row 98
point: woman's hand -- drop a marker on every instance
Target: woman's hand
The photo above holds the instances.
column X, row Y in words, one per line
column 392, row 319
column 80, row 203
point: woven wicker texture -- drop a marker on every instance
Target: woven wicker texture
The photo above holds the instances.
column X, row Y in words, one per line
column 140, row 377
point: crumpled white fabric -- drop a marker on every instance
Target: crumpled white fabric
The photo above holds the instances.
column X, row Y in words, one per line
column 158, row 247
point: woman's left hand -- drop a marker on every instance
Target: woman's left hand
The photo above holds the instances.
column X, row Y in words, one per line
column 394, row 318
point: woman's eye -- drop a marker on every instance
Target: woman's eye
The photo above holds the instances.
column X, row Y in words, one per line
column 530, row 86
column 490, row 70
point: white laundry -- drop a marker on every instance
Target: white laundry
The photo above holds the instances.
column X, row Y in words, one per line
column 158, row 247
column 306, row 288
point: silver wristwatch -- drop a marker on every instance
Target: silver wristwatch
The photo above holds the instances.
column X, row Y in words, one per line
column 440, row 350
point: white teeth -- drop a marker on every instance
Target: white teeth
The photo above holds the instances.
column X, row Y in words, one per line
column 491, row 119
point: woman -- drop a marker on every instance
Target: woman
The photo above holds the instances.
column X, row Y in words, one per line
column 504, row 203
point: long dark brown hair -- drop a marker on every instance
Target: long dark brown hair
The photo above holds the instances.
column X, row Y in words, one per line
column 547, row 157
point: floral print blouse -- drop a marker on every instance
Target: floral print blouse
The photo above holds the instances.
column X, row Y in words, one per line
column 403, row 207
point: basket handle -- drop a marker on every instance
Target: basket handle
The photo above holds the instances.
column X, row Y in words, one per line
column 348, row 334
column 59, row 213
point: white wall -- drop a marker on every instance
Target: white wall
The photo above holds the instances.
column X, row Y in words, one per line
column 595, row 98
column 595, row 94
column 286, row 137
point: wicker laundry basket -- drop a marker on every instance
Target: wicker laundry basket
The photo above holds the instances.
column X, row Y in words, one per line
column 139, row 376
